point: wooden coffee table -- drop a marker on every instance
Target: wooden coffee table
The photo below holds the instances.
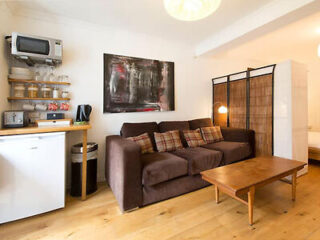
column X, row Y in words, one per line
column 244, row 177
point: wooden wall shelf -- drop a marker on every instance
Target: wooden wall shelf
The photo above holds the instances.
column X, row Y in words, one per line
column 37, row 82
column 45, row 99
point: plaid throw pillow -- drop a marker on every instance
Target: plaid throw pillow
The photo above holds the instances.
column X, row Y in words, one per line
column 193, row 138
column 212, row 134
column 144, row 141
column 168, row 141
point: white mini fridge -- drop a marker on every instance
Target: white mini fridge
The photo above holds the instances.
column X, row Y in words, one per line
column 32, row 174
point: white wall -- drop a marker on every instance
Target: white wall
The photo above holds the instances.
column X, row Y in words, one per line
column 313, row 93
column 6, row 21
column 84, row 45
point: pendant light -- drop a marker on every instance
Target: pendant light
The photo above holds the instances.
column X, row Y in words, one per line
column 191, row 10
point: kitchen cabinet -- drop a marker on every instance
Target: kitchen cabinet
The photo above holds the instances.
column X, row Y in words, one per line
column 32, row 174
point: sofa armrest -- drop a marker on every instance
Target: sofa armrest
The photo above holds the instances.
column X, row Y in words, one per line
column 240, row 135
column 123, row 171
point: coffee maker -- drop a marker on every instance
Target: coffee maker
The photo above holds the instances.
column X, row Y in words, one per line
column 83, row 113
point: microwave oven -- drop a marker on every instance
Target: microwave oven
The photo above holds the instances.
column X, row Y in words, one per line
column 36, row 49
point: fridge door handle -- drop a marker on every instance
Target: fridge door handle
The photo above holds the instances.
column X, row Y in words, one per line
column 12, row 139
column 30, row 136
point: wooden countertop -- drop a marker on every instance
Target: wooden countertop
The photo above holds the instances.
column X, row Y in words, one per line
column 34, row 129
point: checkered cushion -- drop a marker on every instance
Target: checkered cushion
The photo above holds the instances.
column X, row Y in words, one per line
column 211, row 134
column 168, row 141
column 193, row 138
column 144, row 141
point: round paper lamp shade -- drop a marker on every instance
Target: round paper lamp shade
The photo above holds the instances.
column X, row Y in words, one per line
column 191, row 10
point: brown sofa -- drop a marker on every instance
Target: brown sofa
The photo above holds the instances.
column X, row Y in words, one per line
column 141, row 179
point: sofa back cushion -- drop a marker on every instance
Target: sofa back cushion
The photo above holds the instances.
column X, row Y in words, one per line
column 200, row 123
column 136, row 129
column 175, row 125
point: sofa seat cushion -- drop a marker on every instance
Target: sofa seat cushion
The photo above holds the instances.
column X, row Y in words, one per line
column 232, row 151
column 199, row 159
column 161, row 167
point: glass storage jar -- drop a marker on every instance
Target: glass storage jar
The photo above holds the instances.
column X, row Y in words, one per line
column 19, row 90
column 46, row 92
column 65, row 94
column 33, row 91
column 56, row 93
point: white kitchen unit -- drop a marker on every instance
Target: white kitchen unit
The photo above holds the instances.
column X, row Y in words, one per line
column 32, row 174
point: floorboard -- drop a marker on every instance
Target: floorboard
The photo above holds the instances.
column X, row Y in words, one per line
column 191, row 216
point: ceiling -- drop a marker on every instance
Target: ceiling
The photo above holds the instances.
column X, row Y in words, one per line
column 298, row 41
column 145, row 16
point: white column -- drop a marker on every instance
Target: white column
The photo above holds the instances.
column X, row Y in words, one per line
column 291, row 112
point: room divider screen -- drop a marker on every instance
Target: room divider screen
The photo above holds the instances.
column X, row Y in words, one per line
column 248, row 96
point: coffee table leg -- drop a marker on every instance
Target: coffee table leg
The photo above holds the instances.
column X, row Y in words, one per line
column 294, row 185
column 250, row 204
column 217, row 193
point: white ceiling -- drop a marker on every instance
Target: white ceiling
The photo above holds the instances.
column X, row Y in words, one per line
column 298, row 41
column 145, row 16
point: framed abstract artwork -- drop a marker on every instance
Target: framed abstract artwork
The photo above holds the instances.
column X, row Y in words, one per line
column 137, row 85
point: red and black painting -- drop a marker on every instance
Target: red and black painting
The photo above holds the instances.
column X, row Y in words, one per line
column 137, row 84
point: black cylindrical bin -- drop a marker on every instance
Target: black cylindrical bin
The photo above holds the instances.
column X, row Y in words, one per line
column 76, row 168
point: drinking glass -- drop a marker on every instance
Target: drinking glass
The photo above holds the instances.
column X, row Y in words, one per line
column 60, row 78
column 51, row 76
column 37, row 76
column 43, row 73
column 65, row 78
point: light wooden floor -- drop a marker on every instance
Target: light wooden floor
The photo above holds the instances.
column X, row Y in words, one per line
column 191, row 216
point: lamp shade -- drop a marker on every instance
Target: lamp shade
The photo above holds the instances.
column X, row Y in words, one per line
column 319, row 50
column 222, row 109
column 191, row 10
